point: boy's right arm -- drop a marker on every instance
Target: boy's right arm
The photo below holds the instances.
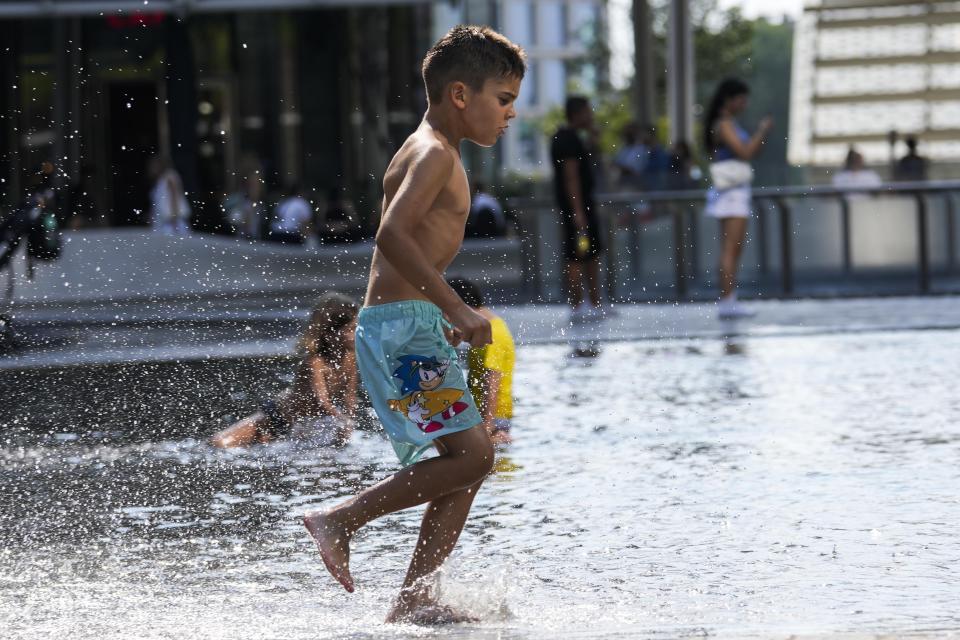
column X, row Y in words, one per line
column 426, row 176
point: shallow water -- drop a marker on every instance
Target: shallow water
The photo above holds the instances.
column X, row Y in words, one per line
column 671, row 488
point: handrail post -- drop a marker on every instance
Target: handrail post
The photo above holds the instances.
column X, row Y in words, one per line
column 845, row 233
column 611, row 258
column 761, row 219
column 530, row 252
column 679, row 260
column 923, row 250
column 635, row 243
column 694, row 239
column 951, row 231
column 786, row 246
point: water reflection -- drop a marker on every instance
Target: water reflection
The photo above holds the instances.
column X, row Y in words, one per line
column 584, row 340
column 734, row 345
column 655, row 489
column 585, row 349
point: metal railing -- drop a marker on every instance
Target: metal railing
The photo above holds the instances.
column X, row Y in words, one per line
column 772, row 206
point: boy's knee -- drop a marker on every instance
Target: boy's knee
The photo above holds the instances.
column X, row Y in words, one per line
column 477, row 457
column 482, row 458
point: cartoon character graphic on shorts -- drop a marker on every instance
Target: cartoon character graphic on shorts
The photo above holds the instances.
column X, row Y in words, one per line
column 421, row 377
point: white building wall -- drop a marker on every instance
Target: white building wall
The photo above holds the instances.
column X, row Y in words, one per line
column 552, row 32
column 862, row 72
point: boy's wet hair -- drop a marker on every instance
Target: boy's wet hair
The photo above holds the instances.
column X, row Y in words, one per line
column 331, row 313
column 468, row 292
column 472, row 55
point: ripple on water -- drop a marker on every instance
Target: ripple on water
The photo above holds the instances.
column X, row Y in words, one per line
column 800, row 485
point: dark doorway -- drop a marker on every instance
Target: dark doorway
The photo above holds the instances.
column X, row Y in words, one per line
column 133, row 129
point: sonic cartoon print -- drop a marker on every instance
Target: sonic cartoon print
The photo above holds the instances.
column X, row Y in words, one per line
column 421, row 377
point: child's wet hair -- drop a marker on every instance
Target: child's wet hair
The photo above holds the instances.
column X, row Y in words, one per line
column 331, row 313
column 472, row 55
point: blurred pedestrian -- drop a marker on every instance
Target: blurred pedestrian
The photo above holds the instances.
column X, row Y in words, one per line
column 573, row 154
column 292, row 218
column 631, row 159
column 911, row 167
column 486, row 218
column 855, row 174
column 683, row 173
column 41, row 187
column 658, row 161
column 169, row 209
column 243, row 208
column 340, row 221
column 320, row 403
column 730, row 148
column 82, row 207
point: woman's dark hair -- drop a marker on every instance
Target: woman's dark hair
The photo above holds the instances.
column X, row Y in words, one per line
column 331, row 313
column 849, row 160
column 467, row 291
column 728, row 88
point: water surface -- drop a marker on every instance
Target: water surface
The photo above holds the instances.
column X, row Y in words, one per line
column 672, row 488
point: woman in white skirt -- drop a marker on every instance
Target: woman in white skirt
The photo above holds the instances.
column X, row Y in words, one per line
column 169, row 208
column 730, row 148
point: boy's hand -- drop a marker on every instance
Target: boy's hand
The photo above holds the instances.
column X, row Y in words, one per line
column 473, row 327
column 453, row 335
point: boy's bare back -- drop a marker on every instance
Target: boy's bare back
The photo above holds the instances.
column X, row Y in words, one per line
column 425, row 157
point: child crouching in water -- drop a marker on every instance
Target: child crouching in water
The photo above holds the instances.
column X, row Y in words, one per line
column 490, row 375
column 321, row 402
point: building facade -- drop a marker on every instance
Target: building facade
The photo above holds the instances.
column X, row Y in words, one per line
column 560, row 38
column 869, row 74
column 317, row 93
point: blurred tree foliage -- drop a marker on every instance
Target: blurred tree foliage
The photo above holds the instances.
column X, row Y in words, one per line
column 725, row 44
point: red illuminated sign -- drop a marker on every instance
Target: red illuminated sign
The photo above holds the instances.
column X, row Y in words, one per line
column 136, row 19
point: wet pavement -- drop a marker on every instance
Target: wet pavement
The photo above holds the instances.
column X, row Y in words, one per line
column 766, row 485
column 243, row 327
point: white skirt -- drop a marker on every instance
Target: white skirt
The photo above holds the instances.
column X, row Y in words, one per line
column 729, row 203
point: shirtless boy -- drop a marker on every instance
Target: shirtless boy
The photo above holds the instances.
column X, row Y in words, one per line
column 411, row 316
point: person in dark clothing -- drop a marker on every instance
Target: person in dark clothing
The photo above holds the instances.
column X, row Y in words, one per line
column 681, row 167
column 574, row 168
column 911, row 167
column 486, row 218
column 658, row 161
column 82, row 207
column 340, row 221
column 321, row 402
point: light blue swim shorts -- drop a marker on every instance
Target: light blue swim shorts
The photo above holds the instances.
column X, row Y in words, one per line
column 412, row 375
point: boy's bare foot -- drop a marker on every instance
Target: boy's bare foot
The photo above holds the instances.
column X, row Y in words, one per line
column 333, row 541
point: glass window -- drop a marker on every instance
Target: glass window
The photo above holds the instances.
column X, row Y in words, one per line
column 530, row 91
column 528, row 142
column 520, row 22
column 551, row 27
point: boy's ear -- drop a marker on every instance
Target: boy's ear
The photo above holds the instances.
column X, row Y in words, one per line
column 458, row 94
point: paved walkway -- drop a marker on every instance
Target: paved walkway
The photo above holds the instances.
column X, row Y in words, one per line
column 255, row 329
